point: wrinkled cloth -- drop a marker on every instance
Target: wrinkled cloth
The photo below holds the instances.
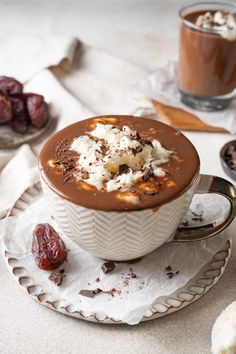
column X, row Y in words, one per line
column 77, row 81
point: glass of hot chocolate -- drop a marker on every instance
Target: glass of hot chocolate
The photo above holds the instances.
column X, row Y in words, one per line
column 207, row 55
column 119, row 186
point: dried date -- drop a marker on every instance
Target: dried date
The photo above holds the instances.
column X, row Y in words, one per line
column 20, row 110
column 10, row 85
column 48, row 249
column 5, row 109
column 37, row 110
column 20, row 121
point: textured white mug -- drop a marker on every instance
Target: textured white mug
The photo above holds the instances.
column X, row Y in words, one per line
column 127, row 235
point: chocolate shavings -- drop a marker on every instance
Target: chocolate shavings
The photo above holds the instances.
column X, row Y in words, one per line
column 197, row 217
column 170, row 273
column 148, row 173
column 230, row 157
column 57, row 277
column 108, row 267
column 148, row 142
column 123, row 169
column 136, row 150
column 90, row 293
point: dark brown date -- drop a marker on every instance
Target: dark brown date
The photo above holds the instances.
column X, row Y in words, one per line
column 48, row 249
column 10, row 85
column 37, row 110
column 5, row 108
column 20, row 110
column 20, row 121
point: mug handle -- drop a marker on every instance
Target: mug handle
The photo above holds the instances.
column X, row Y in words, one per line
column 210, row 184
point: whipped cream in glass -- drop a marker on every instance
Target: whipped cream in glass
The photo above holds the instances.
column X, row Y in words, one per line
column 222, row 22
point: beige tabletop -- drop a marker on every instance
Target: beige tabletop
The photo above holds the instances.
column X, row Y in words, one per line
column 145, row 32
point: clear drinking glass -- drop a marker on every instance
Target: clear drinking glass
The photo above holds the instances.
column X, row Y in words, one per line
column 207, row 60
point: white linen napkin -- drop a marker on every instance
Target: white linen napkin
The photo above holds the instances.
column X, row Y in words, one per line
column 161, row 85
column 19, row 174
column 105, row 83
column 93, row 82
column 64, row 106
column 22, row 57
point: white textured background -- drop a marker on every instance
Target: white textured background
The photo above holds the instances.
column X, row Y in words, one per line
column 146, row 33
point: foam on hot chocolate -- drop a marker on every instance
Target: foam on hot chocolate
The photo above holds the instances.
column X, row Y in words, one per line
column 222, row 22
column 116, row 158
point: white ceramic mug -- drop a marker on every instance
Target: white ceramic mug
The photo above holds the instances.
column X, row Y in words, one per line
column 127, row 235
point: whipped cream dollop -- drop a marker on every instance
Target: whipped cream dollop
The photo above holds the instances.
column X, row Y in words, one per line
column 115, row 158
column 223, row 334
column 223, row 22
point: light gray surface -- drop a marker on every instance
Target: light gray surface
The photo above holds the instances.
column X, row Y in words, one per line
column 144, row 32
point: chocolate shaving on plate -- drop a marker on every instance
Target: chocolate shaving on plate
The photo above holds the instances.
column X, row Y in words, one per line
column 90, row 293
column 170, row 273
column 108, row 267
column 132, row 274
column 112, row 292
column 197, row 217
column 57, row 277
column 230, row 156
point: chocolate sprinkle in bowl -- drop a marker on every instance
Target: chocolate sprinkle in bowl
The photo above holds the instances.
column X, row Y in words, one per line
column 228, row 158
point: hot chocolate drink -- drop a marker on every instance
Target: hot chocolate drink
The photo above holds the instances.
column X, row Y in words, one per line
column 119, row 186
column 207, row 56
column 119, row 163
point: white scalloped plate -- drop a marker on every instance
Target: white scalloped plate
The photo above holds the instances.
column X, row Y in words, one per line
column 192, row 291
